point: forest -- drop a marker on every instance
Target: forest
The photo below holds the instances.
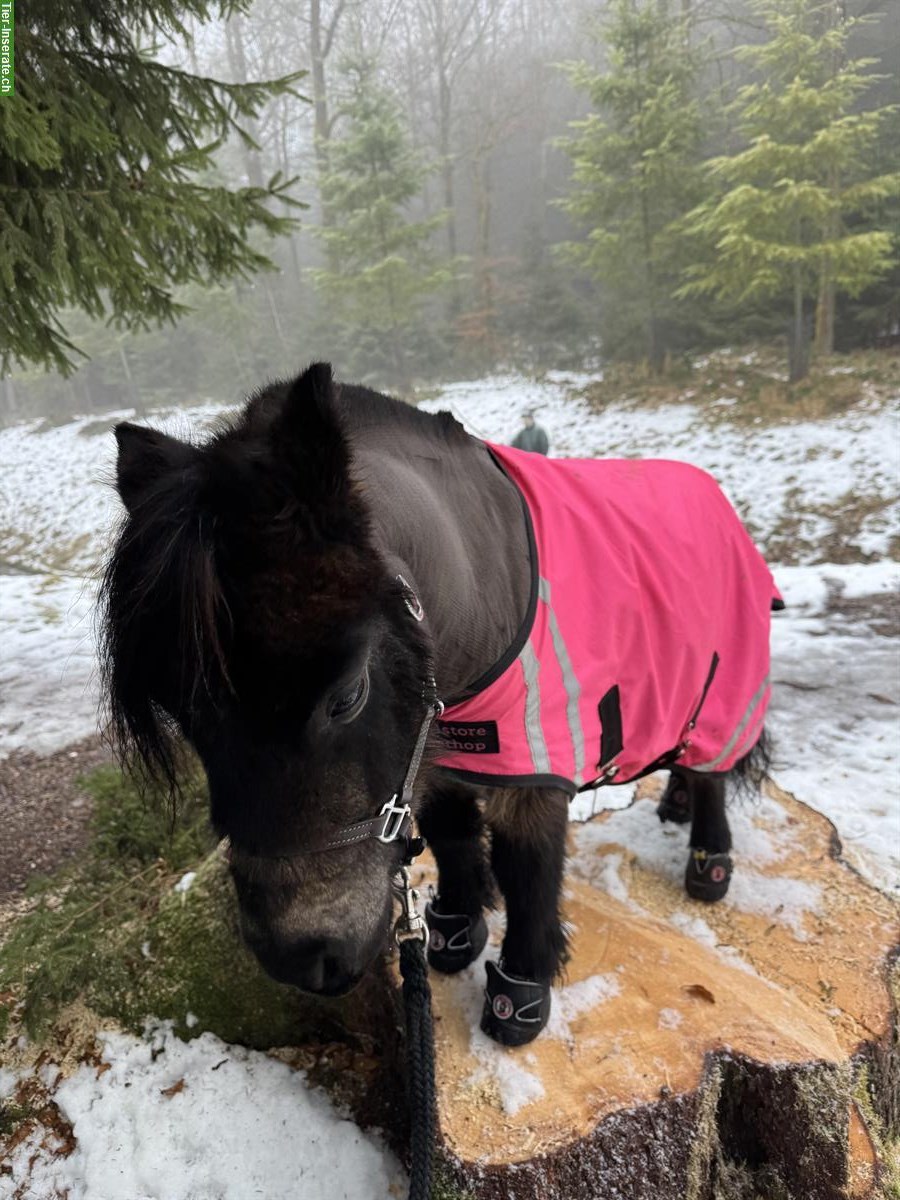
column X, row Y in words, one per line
column 199, row 197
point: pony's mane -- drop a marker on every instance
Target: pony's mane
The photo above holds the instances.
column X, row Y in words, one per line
column 163, row 562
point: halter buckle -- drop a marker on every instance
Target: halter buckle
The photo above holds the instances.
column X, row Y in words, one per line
column 394, row 817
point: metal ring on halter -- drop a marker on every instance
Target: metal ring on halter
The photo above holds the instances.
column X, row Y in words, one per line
column 411, row 600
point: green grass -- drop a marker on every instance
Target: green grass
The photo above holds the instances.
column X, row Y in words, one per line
column 112, row 933
column 12, row 1115
column 78, row 926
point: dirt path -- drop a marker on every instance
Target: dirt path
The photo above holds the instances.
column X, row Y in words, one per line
column 44, row 814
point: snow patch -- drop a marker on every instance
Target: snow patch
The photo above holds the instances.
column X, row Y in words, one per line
column 138, row 1139
column 787, row 901
column 605, row 874
column 48, row 685
column 571, row 1001
column 516, row 1087
column 698, row 930
column 669, row 1018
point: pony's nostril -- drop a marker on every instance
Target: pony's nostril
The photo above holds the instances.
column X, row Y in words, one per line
column 317, row 965
column 313, row 974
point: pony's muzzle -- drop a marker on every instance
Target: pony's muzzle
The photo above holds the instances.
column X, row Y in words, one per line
column 323, row 966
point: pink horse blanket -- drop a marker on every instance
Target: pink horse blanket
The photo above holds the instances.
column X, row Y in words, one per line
column 646, row 640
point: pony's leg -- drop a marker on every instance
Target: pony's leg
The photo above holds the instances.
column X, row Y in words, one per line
column 528, row 849
column 452, row 824
column 675, row 803
column 709, row 866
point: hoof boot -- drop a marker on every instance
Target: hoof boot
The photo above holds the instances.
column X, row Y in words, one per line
column 454, row 940
column 515, row 1010
column 708, row 875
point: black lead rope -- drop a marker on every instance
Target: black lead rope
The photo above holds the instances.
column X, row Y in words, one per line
column 420, row 1066
column 412, row 934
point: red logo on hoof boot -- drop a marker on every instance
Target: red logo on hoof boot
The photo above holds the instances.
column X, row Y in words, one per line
column 436, row 940
column 717, row 874
column 503, row 1007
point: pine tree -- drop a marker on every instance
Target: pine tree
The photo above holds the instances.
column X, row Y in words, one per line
column 784, row 222
column 380, row 266
column 109, row 196
column 636, row 170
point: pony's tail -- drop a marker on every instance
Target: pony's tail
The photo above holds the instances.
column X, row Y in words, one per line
column 752, row 771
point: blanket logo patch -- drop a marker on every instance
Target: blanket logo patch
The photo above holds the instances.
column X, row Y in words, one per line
column 470, row 737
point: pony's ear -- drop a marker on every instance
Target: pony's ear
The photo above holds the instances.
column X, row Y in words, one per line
column 145, row 455
column 308, row 434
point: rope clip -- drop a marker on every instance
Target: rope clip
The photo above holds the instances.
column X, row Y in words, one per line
column 410, row 924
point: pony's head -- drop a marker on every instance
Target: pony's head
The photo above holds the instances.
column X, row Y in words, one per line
column 246, row 607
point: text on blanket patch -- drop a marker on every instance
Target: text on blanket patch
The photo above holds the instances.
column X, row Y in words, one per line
column 473, row 737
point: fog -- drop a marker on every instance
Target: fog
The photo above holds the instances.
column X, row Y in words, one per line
column 477, row 100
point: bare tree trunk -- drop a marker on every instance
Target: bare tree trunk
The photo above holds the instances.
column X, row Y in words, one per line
column 237, row 62
column 286, row 174
column 799, row 342
column 447, row 163
column 320, row 105
column 133, row 392
column 835, row 16
column 825, row 311
column 481, row 173
column 9, row 397
column 446, row 158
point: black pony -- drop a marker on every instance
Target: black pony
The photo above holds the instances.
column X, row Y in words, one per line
column 290, row 597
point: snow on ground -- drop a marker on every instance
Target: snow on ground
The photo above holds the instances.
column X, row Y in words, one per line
column 48, row 678
column 57, row 503
column 202, row 1120
column 774, row 474
column 835, row 715
column 836, row 698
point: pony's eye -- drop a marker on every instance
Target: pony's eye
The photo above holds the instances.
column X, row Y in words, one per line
column 347, row 704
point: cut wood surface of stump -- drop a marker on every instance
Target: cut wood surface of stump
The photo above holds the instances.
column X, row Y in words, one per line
column 738, row 1051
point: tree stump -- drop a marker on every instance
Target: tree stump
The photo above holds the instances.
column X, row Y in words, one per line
column 696, row 1052
column 745, row 1050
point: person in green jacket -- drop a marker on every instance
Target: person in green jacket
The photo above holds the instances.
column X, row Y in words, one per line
column 531, row 437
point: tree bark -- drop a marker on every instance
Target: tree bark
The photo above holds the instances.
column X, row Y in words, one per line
column 9, row 397
column 825, row 311
column 799, row 337
column 129, row 379
column 824, row 335
column 322, row 128
column 237, row 62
